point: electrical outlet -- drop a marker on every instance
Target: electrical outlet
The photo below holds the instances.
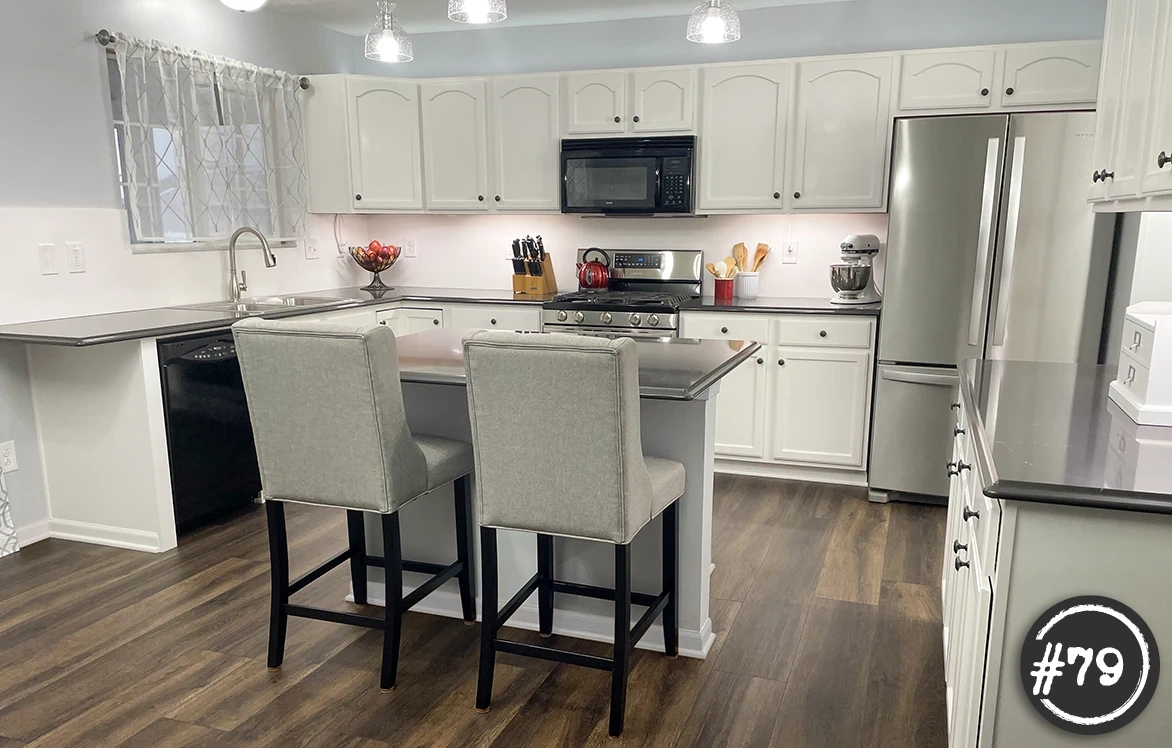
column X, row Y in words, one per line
column 789, row 253
column 7, row 457
column 409, row 248
column 311, row 249
column 48, row 256
column 75, row 257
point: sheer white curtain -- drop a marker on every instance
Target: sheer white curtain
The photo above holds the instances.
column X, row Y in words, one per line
column 209, row 145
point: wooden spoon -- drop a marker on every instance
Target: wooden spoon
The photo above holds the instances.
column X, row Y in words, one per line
column 762, row 252
column 730, row 263
column 712, row 269
column 741, row 255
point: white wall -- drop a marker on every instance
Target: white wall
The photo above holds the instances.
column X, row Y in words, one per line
column 472, row 251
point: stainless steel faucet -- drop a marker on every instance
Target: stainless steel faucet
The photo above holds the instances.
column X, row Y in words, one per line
column 237, row 286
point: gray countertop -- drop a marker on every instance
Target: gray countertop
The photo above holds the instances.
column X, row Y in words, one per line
column 672, row 369
column 779, row 305
column 1049, row 433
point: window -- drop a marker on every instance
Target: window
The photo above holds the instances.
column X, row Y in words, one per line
column 205, row 145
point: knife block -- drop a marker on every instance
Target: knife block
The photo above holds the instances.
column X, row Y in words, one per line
column 537, row 285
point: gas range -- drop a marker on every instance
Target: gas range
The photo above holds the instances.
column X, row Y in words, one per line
column 643, row 298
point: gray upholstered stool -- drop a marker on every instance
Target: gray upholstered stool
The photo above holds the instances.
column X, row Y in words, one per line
column 575, row 401
column 327, row 413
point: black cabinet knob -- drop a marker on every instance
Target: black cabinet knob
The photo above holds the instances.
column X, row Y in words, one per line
column 1009, row 91
column 957, row 431
column 961, row 467
column 822, row 334
column 958, row 546
column 1096, row 176
column 984, row 92
column 358, row 197
column 968, row 514
column 760, row 361
column 1107, row 175
column 797, row 195
column 781, row 362
column 480, row 198
column 497, row 198
column 492, row 321
column 776, row 195
column 724, row 330
column 1163, row 159
column 435, row 322
column 956, row 406
column 636, row 118
column 952, row 471
column 618, row 119
column 958, row 564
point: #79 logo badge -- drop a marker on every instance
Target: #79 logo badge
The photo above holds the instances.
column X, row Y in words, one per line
column 1090, row 665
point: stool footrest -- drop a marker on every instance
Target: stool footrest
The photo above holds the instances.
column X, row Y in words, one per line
column 335, row 616
column 554, row 655
column 419, row 567
column 312, row 576
column 599, row 593
column 444, row 574
column 648, row 618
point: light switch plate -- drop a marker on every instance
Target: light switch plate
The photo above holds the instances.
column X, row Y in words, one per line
column 8, row 457
column 48, row 257
column 409, row 248
column 789, row 253
column 311, row 252
column 75, row 257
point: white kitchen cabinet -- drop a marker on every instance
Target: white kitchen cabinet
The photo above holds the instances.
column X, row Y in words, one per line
column 839, row 149
column 1041, row 74
column 1156, row 158
column 517, row 317
column 819, row 412
column 595, row 103
column 455, row 145
column 384, row 145
column 961, row 79
column 410, row 320
column 743, row 148
column 740, row 410
column 1131, row 131
column 1112, row 82
column 663, row 100
column 526, row 143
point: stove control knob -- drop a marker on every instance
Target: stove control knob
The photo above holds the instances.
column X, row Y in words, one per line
column 579, row 317
column 635, row 320
column 562, row 316
column 653, row 320
column 606, row 317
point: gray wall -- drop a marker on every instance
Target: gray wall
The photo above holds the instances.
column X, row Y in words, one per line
column 794, row 31
column 26, row 492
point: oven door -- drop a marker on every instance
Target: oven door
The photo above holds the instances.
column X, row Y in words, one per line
column 610, row 184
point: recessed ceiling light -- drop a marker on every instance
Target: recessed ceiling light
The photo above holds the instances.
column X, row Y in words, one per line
column 244, row 5
column 387, row 41
column 714, row 22
column 477, row 11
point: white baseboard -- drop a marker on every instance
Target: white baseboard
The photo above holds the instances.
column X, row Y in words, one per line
column 576, row 624
column 838, row 476
column 117, row 537
column 34, row 532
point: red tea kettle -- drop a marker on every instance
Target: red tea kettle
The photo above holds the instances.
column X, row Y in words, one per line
column 594, row 274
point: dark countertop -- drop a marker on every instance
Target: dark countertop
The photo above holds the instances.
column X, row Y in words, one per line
column 166, row 321
column 1049, row 433
column 673, row 369
column 780, row 305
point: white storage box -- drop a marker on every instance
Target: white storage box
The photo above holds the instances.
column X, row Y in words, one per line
column 1143, row 388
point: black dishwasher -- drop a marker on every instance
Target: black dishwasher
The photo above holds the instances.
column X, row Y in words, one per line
column 209, row 435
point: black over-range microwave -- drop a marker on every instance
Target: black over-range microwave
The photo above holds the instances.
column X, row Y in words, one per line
column 628, row 176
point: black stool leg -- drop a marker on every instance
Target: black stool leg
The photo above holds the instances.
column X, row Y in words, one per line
column 671, row 580
column 622, row 638
column 393, row 552
column 279, row 565
column 490, row 606
column 463, row 488
column 356, row 530
column 545, row 586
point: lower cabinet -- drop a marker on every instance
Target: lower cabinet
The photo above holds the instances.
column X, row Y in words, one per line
column 410, row 320
column 740, row 410
column 819, row 412
column 516, row 317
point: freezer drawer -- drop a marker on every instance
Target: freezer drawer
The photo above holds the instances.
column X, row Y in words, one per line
column 911, row 437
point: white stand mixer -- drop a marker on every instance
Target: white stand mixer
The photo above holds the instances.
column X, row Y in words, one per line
column 854, row 278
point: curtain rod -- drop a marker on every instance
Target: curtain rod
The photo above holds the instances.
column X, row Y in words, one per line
column 105, row 38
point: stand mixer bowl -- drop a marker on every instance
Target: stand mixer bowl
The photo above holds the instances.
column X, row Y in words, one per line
column 848, row 280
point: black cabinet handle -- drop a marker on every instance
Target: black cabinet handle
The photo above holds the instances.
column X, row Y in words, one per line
column 958, row 546
column 724, row 330
column 1009, row 91
column 480, row 198
column 956, row 406
column 435, row 322
column 493, row 321
column 1096, row 176
column 776, row 195
column 960, row 564
column 968, row 514
column 952, row 471
column 358, row 197
column 498, row 198
column 984, row 92
column 781, row 362
column 822, row 334
column 618, row 119
column 957, row 431
column 760, row 361
column 636, row 118
column 1107, row 175
column 1163, row 160
column 961, row 467
column 797, row 195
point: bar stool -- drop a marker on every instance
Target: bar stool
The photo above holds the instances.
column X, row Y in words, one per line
column 533, row 397
column 330, row 429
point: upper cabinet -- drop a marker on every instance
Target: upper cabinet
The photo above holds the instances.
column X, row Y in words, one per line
column 596, row 103
column 526, row 143
column 1156, row 157
column 647, row 101
column 1064, row 73
column 1112, row 82
column 455, row 144
column 663, row 100
column 947, row 80
column 743, row 145
column 842, row 129
column 384, row 144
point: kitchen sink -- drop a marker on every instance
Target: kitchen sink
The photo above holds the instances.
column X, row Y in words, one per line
column 297, row 301
column 264, row 305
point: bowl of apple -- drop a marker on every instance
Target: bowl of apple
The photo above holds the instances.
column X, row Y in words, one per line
column 375, row 258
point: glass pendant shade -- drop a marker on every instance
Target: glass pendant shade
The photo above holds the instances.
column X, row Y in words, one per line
column 714, row 22
column 387, row 41
column 477, row 11
column 244, row 5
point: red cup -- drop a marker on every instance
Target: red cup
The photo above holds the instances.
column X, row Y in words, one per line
column 724, row 289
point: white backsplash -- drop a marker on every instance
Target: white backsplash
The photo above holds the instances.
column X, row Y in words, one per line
column 472, row 251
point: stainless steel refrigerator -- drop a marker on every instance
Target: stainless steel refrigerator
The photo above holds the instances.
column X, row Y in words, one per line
column 993, row 252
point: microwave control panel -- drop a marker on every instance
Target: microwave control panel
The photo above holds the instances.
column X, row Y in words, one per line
column 677, row 175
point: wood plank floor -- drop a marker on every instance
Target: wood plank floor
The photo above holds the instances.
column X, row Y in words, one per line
column 826, row 610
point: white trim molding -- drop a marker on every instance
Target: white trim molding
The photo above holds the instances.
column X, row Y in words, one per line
column 116, row 537
column 33, row 532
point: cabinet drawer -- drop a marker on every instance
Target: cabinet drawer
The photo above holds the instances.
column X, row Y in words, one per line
column 825, row 331
column 1137, row 342
column 717, row 326
column 1133, row 377
column 494, row 317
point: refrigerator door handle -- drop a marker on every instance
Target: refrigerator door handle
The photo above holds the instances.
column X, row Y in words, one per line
column 984, row 240
column 911, row 376
column 1016, row 175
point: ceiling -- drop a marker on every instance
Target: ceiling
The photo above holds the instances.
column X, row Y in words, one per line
column 422, row 16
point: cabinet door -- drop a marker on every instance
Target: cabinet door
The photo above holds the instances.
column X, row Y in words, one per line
column 595, row 103
column 384, row 145
column 740, row 410
column 1120, row 18
column 1131, row 134
column 742, row 153
column 663, row 100
column 455, row 145
column 518, row 317
column 526, row 137
column 820, row 405
column 970, row 674
column 1065, row 73
column 947, row 80
column 842, row 130
column 1156, row 159
column 408, row 321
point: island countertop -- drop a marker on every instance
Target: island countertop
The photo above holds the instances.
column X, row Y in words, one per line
column 781, row 305
column 669, row 369
column 1049, row 433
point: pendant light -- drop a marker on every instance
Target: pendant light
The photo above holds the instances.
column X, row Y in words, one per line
column 477, row 11
column 714, row 22
column 387, row 41
column 244, row 6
